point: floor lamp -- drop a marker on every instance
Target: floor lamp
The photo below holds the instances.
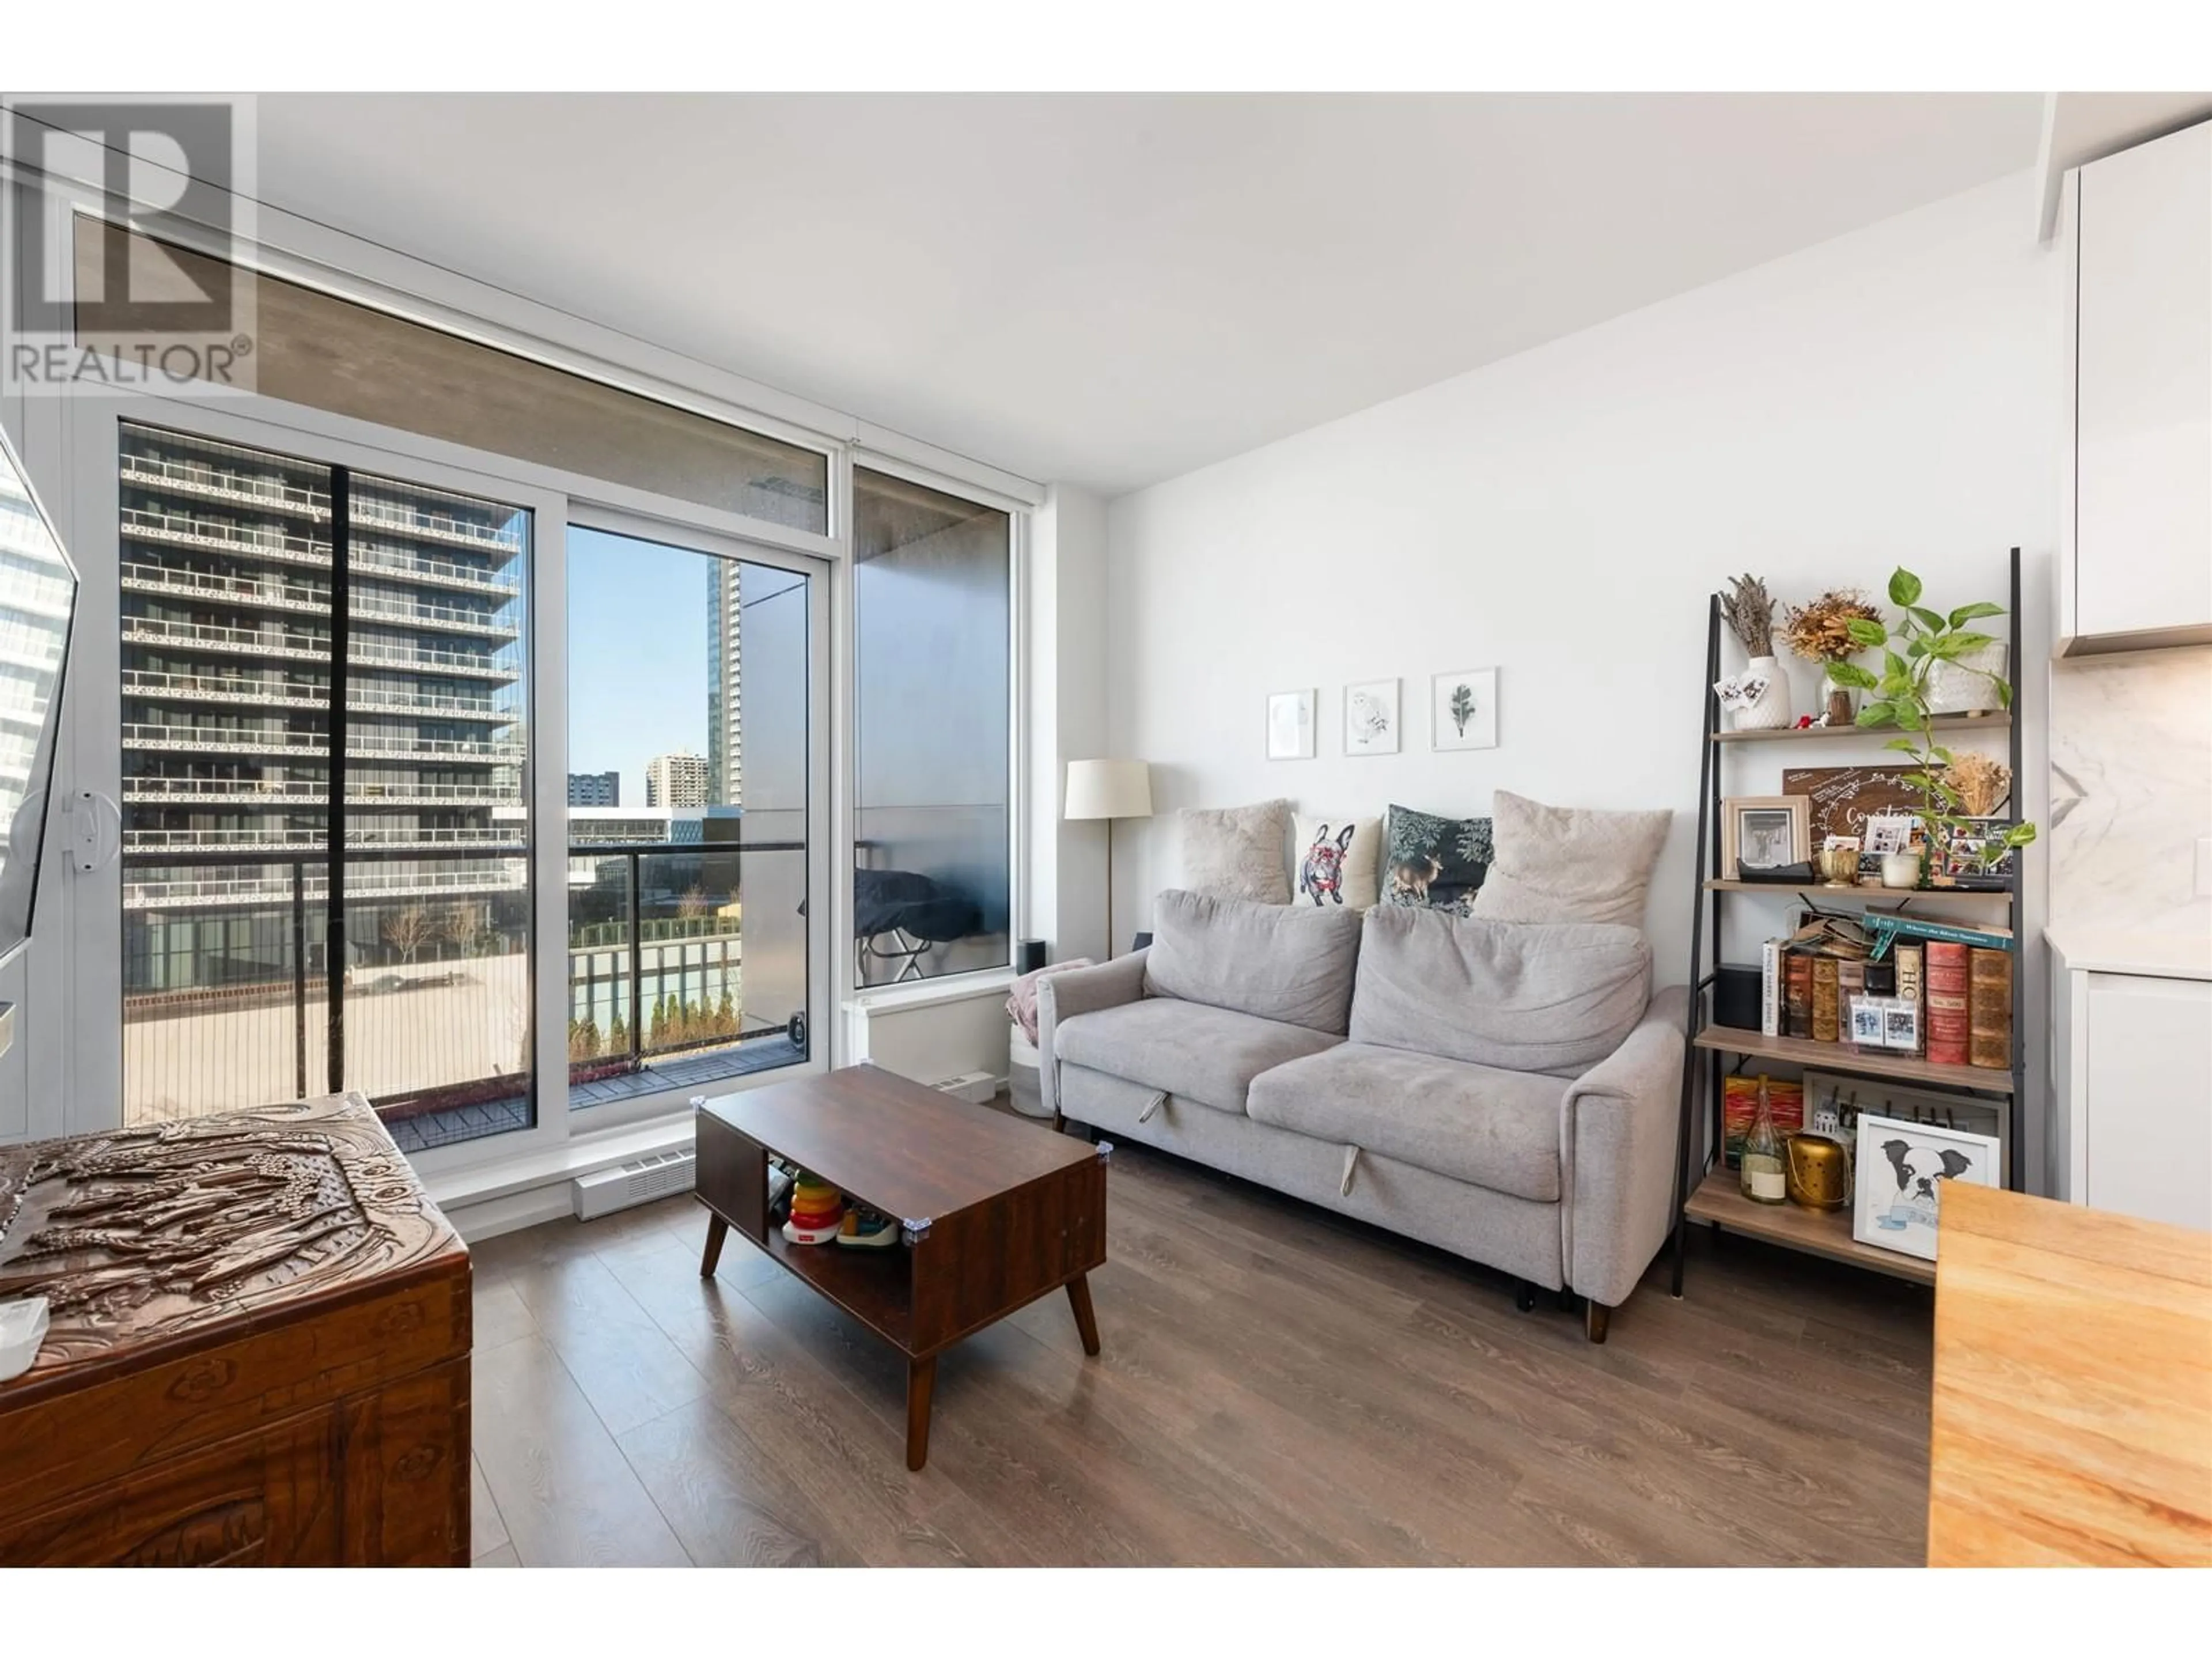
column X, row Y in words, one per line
column 1108, row 789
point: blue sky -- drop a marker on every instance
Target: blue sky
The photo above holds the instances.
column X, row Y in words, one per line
column 637, row 654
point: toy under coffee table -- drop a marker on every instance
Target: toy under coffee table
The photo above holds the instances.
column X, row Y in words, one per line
column 995, row 1210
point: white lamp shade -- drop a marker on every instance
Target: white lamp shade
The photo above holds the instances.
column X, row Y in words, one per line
column 1108, row 789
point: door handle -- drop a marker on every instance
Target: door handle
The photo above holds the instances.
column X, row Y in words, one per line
column 90, row 848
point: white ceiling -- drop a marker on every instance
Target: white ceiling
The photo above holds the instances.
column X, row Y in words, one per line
column 1113, row 289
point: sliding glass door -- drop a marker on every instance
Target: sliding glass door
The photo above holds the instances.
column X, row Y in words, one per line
column 323, row 817
column 691, row 771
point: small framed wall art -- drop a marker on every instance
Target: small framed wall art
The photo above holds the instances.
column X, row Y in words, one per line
column 1764, row 832
column 1463, row 709
column 1289, row 725
column 1370, row 718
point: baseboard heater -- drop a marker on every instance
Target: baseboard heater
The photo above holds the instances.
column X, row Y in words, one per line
column 640, row 1180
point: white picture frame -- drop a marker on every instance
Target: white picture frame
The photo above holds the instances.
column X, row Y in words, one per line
column 1370, row 718
column 1291, row 725
column 1463, row 709
column 1899, row 1170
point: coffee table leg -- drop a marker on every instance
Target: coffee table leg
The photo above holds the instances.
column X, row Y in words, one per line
column 921, row 1383
column 717, row 1230
column 1086, row 1322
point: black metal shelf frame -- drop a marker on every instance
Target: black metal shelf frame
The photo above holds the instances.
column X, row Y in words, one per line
column 1705, row 945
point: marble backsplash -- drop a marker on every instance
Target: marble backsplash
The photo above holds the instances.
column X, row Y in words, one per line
column 2130, row 791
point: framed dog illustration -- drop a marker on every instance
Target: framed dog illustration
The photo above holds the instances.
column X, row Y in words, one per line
column 1901, row 1169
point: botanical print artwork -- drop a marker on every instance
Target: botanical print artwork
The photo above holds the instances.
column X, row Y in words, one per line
column 1291, row 726
column 1463, row 712
column 1370, row 718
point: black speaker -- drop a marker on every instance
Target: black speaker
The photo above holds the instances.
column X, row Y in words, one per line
column 1028, row 956
column 1735, row 998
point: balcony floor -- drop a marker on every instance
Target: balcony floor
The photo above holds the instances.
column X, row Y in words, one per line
column 759, row 1054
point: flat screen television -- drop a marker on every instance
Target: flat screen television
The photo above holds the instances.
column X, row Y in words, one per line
column 38, row 601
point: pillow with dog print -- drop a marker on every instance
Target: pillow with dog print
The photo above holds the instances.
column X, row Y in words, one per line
column 1333, row 862
column 1434, row 863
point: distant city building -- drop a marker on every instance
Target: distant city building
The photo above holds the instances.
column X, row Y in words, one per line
column 595, row 789
column 725, row 749
column 678, row 780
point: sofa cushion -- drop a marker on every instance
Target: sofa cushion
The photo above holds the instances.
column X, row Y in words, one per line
column 1276, row 962
column 1195, row 1053
column 1569, row 864
column 1236, row 851
column 1474, row 1123
column 1335, row 856
column 1525, row 997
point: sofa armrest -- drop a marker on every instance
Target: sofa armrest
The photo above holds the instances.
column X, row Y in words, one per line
column 1080, row 991
column 1618, row 1128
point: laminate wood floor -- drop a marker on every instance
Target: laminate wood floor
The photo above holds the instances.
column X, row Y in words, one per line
column 1278, row 1385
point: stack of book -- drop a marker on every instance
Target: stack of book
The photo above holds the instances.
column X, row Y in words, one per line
column 1892, row 984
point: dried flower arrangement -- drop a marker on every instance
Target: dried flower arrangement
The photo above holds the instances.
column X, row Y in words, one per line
column 1822, row 629
column 1750, row 612
column 1981, row 784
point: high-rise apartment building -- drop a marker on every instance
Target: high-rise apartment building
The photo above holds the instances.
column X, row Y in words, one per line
column 233, row 590
column 725, row 749
column 595, row 789
column 677, row 779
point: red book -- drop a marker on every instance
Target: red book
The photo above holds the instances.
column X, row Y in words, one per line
column 1950, row 1024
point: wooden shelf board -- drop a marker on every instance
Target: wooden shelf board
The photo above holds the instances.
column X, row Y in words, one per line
column 1814, row 890
column 1719, row 1199
column 1842, row 1057
column 1996, row 721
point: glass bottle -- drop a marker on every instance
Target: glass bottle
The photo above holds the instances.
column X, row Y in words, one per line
column 1761, row 1166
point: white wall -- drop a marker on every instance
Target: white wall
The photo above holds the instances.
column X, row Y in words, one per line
column 1887, row 396
column 1064, row 668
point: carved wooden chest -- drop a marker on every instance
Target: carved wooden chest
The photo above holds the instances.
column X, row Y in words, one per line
column 259, row 1351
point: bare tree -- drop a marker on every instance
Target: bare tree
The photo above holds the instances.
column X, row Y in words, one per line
column 457, row 926
column 694, row 903
column 408, row 931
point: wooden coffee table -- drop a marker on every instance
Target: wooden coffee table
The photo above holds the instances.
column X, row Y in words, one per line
column 995, row 1210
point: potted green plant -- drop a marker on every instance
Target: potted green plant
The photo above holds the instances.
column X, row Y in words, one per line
column 1910, row 653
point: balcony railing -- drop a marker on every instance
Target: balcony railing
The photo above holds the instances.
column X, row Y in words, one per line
column 250, row 541
column 369, row 745
column 216, row 740
column 457, row 619
column 213, row 636
column 376, row 700
column 267, row 593
column 185, row 892
column 251, row 792
column 214, row 484
column 381, row 653
column 398, row 837
column 434, row 573
column 220, row 688
column 368, row 513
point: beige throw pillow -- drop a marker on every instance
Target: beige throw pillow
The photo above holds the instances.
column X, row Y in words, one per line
column 1236, row 851
column 1335, row 862
column 1569, row 864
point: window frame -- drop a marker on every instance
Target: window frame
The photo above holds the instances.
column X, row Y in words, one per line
column 52, row 434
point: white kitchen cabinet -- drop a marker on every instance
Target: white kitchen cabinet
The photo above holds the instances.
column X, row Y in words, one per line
column 2136, row 568
column 2131, row 1078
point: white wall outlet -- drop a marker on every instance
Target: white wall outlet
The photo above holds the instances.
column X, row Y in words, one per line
column 2204, row 866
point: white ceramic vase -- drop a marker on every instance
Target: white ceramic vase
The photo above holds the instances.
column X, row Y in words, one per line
column 1772, row 710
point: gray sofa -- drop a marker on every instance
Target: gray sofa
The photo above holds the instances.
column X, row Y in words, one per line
column 1505, row 1090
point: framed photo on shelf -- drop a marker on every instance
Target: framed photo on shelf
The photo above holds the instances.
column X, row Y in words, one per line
column 1764, row 832
column 1901, row 1169
column 1370, row 718
column 1463, row 709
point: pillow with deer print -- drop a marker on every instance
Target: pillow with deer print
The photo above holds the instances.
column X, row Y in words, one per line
column 1333, row 862
column 1434, row 863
